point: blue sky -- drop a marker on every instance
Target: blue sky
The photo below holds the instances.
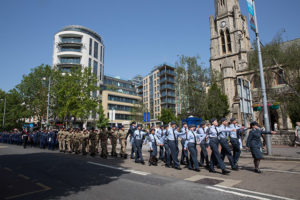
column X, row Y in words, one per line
column 138, row 34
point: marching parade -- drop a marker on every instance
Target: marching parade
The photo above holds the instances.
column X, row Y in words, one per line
column 162, row 143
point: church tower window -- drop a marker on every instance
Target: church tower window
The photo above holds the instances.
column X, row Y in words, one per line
column 223, row 42
column 228, row 40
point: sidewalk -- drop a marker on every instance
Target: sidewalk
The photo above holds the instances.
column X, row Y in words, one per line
column 279, row 152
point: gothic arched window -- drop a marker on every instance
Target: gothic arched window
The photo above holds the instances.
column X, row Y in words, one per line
column 228, row 40
column 223, row 41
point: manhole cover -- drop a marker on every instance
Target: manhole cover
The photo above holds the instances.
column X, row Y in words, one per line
column 209, row 181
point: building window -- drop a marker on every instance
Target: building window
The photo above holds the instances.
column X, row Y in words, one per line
column 223, row 42
column 121, row 99
column 75, row 49
column 280, row 77
column 90, row 62
column 90, row 48
column 119, row 107
column 100, row 72
column 101, row 55
column 228, row 40
column 95, row 68
column 95, row 49
column 70, row 60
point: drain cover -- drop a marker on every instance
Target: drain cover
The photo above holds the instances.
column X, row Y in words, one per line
column 209, row 181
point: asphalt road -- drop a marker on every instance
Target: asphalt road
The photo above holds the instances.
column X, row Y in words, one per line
column 41, row 174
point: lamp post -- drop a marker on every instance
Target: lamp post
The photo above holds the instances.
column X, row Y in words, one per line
column 4, row 111
column 48, row 103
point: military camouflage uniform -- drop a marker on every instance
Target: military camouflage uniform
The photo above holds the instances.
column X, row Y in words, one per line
column 84, row 142
column 113, row 136
column 103, row 139
column 76, row 142
column 92, row 138
column 122, row 137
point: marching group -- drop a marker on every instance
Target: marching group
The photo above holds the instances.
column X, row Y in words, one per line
column 164, row 138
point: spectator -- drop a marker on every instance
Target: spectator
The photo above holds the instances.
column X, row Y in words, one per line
column 297, row 134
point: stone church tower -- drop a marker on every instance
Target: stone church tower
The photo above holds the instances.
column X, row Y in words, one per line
column 230, row 43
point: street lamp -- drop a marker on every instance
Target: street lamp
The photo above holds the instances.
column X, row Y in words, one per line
column 4, row 110
column 48, row 103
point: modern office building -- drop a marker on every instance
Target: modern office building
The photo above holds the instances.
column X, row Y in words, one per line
column 79, row 46
column 158, row 91
column 120, row 101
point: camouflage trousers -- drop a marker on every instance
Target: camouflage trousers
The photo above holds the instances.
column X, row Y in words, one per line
column 93, row 147
column 104, row 148
column 113, row 146
column 123, row 146
column 76, row 146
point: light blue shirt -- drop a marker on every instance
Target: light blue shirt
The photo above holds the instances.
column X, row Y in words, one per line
column 185, row 131
column 152, row 139
column 170, row 134
column 202, row 134
column 224, row 131
column 158, row 133
column 213, row 131
column 138, row 134
column 192, row 137
column 233, row 134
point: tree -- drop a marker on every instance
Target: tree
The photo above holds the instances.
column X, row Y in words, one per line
column 191, row 80
column 73, row 94
column 137, row 112
column 216, row 103
column 33, row 90
column 281, row 60
column 102, row 119
column 167, row 115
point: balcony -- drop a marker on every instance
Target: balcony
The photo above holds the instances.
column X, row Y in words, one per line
column 168, row 94
column 167, row 72
column 167, row 79
column 70, row 42
column 168, row 101
column 167, row 86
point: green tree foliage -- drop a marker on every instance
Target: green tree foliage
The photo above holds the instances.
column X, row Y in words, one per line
column 282, row 61
column 15, row 110
column 137, row 112
column 191, row 81
column 72, row 94
column 216, row 103
column 102, row 119
column 33, row 90
column 167, row 115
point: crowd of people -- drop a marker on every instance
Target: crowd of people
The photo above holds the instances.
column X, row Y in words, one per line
column 162, row 140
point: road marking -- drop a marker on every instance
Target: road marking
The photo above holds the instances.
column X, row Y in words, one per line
column 3, row 147
column 253, row 192
column 226, row 182
column 121, row 168
column 22, row 176
column 45, row 188
column 236, row 193
column 280, row 171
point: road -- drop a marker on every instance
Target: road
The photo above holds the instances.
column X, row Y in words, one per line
column 35, row 174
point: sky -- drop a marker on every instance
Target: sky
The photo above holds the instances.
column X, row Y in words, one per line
column 137, row 34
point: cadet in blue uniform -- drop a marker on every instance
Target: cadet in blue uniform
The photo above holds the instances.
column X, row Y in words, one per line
column 159, row 134
column 172, row 138
column 164, row 141
column 223, row 139
column 184, row 153
column 213, row 134
column 234, row 140
column 130, row 133
column 153, row 143
column 138, row 141
column 190, row 144
column 255, row 145
column 203, row 145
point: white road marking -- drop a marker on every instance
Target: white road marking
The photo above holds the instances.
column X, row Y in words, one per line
column 280, row 171
column 225, row 182
column 236, row 193
column 121, row 168
column 253, row 192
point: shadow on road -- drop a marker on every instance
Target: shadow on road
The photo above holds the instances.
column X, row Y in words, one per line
column 51, row 175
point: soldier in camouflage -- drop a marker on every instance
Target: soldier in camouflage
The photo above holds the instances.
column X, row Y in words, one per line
column 122, row 138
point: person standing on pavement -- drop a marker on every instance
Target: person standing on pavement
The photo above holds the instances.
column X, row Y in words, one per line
column 234, row 140
column 184, row 160
column 191, row 144
column 130, row 133
column 159, row 134
column 153, row 143
column 203, row 145
column 113, row 136
column 213, row 134
column 103, row 140
column 92, row 138
column 122, row 139
column 138, row 141
column 25, row 137
column 255, row 144
column 223, row 139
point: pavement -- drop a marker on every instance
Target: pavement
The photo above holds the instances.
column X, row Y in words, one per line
column 35, row 173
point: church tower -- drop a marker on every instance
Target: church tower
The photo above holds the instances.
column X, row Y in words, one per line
column 230, row 43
